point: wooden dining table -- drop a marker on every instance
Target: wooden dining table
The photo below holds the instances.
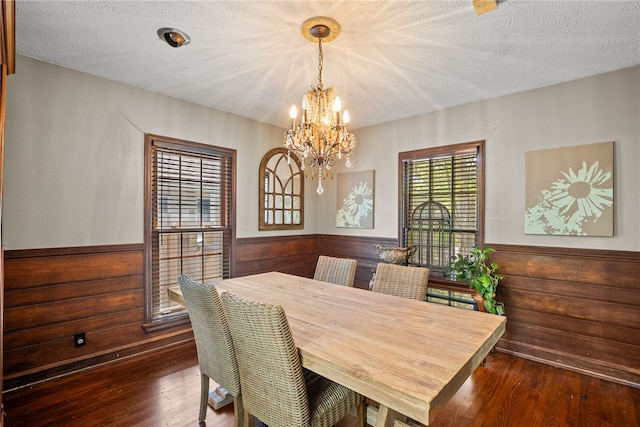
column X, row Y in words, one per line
column 409, row 356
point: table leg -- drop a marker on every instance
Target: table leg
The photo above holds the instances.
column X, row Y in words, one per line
column 386, row 416
column 219, row 398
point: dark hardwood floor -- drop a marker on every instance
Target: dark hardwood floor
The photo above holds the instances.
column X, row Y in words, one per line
column 162, row 389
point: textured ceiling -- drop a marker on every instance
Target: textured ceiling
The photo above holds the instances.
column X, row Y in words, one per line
column 394, row 59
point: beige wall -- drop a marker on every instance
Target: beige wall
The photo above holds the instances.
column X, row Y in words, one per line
column 74, row 156
column 596, row 109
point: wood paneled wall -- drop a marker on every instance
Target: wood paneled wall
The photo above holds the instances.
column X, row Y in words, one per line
column 8, row 61
column 574, row 308
column 288, row 254
column 569, row 307
column 52, row 294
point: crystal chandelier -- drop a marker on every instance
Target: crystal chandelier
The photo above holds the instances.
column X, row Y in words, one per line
column 322, row 136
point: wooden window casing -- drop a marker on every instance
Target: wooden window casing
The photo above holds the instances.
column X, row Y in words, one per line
column 451, row 177
column 281, row 191
column 189, row 221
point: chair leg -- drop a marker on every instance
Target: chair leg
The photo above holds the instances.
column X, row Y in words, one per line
column 204, row 396
column 249, row 419
column 238, row 411
column 361, row 412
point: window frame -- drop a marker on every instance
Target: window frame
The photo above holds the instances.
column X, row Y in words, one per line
column 295, row 171
column 152, row 141
column 441, row 151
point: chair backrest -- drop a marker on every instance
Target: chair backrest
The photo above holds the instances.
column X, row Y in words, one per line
column 273, row 384
column 214, row 344
column 403, row 281
column 341, row 271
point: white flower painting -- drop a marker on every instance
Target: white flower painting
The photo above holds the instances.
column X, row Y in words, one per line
column 355, row 200
column 569, row 191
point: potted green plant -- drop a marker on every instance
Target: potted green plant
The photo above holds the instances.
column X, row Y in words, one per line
column 479, row 274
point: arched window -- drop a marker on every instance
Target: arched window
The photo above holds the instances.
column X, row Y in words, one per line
column 281, row 200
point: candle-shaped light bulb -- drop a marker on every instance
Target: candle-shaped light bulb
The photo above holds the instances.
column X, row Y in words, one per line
column 345, row 117
column 293, row 113
column 305, row 107
column 337, row 106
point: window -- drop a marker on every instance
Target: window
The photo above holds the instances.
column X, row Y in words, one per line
column 281, row 191
column 442, row 202
column 189, row 217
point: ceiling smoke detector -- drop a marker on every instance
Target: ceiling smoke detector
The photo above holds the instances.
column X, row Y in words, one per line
column 174, row 37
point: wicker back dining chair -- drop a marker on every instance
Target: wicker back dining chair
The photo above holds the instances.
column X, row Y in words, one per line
column 216, row 355
column 341, row 271
column 403, row 281
column 276, row 389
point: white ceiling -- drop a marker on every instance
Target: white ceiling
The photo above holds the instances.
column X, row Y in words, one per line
column 394, row 59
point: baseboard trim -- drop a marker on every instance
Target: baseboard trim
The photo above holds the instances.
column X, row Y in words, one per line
column 550, row 362
column 21, row 381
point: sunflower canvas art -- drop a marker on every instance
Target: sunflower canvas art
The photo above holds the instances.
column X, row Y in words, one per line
column 355, row 200
column 569, row 191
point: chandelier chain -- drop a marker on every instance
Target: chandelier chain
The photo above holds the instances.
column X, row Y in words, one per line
column 320, row 61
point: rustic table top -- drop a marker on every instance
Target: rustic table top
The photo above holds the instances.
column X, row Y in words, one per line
column 407, row 355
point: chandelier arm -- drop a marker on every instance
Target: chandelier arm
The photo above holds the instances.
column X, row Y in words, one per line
column 312, row 149
column 336, row 143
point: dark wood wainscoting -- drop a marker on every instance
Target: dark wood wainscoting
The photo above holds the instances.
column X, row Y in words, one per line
column 299, row 254
column 52, row 294
column 574, row 308
column 359, row 248
column 288, row 254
